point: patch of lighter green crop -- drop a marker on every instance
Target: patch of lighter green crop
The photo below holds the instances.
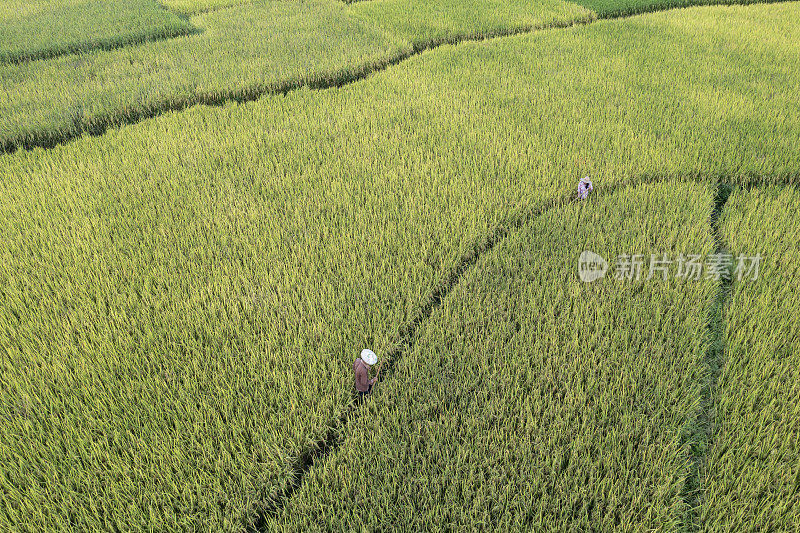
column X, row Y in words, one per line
column 239, row 54
column 751, row 475
column 47, row 28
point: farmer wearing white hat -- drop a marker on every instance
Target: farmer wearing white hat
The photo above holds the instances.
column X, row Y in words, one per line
column 361, row 368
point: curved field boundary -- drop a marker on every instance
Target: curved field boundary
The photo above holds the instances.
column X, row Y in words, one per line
column 82, row 126
column 106, row 45
column 404, row 344
column 427, row 24
column 100, row 126
column 539, row 433
column 698, row 432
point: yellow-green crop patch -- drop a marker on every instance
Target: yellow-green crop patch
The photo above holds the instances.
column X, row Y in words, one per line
column 615, row 8
column 44, row 28
column 194, row 7
column 239, row 54
column 534, row 401
column 314, row 43
column 752, row 472
column 181, row 299
column 427, row 23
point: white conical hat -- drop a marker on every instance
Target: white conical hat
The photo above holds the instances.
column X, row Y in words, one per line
column 369, row 357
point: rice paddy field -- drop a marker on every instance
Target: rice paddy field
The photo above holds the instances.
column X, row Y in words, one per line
column 202, row 227
column 752, row 470
column 36, row 29
column 505, row 415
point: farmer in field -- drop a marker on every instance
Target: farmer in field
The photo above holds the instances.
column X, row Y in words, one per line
column 584, row 188
column 361, row 367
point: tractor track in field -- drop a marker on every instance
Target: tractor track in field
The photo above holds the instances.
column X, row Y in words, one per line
column 102, row 124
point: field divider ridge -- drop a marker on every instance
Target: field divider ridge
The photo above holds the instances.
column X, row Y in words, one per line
column 699, row 431
column 331, row 81
column 407, row 338
column 478, row 37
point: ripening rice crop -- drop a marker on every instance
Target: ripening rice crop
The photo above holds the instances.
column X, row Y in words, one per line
column 194, row 7
column 533, row 401
column 428, row 23
column 617, row 8
column 239, row 53
column 182, row 298
column 46, row 28
column 752, row 474
column 318, row 42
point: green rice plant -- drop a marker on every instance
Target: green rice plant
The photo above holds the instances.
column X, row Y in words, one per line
column 618, row 8
column 315, row 43
column 240, row 54
column 194, row 7
column 428, row 23
column 181, row 299
column 46, row 28
column 752, row 471
column 531, row 400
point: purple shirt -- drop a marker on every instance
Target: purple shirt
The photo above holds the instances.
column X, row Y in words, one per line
column 361, row 370
column 584, row 187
